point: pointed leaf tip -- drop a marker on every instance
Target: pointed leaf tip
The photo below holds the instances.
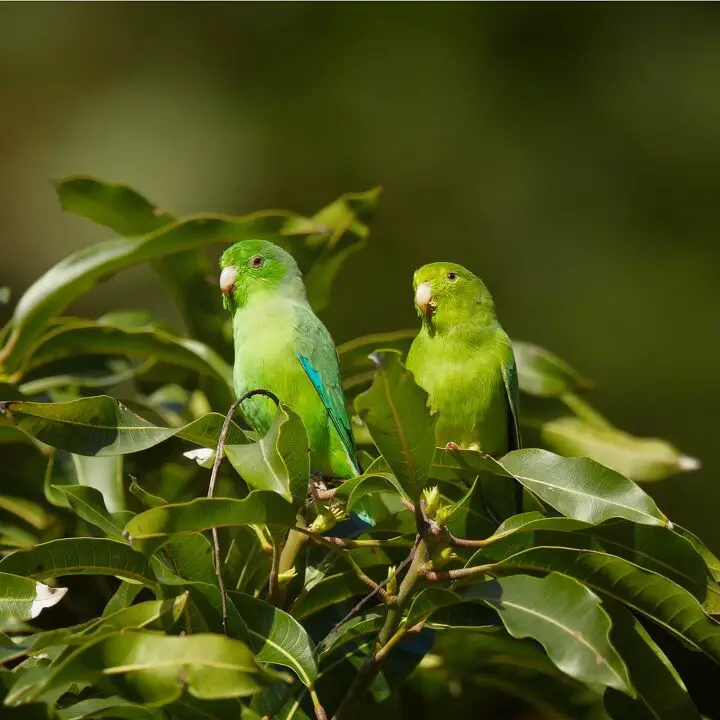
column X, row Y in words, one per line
column 689, row 464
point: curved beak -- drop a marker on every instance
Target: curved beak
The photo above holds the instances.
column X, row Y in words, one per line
column 424, row 298
column 227, row 280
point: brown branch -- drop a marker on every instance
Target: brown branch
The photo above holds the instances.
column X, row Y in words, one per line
column 219, row 452
column 443, row 575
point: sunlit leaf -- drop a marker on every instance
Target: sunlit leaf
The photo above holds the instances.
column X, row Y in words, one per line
column 23, row 598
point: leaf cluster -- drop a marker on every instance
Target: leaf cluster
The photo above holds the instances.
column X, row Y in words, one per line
column 127, row 590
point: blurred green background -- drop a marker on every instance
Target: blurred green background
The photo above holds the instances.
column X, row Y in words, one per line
column 568, row 153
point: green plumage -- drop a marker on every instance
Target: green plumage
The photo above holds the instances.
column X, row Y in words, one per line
column 464, row 360
column 282, row 346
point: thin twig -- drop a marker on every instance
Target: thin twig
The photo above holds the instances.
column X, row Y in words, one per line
column 347, row 543
column 219, row 452
column 273, row 587
column 367, row 598
column 441, row 575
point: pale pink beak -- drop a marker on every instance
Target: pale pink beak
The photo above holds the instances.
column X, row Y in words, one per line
column 227, row 280
column 423, row 298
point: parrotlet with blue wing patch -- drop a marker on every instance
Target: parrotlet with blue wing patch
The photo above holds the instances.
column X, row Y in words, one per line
column 282, row 346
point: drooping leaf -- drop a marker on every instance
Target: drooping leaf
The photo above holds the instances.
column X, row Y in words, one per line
column 102, row 425
column 276, row 637
column 151, row 668
column 651, row 594
column 565, row 617
column 544, row 374
column 661, row 694
column 352, row 491
column 396, row 413
column 88, row 503
column 79, row 556
column 106, row 337
column 113, row 707
column 354, row 354
column 23, row 598
column 279, row 461
column 150, row 529
column 104, row 474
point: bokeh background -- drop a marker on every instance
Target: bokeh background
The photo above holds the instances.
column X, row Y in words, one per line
column 568, row 153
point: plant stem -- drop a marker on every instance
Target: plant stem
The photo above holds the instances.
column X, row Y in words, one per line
column 352, row 701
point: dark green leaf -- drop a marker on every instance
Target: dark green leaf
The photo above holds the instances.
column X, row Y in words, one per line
column 565, row 618
column 150, row 529
column 661, row 693
column 160, row 667
column 544, row 374
column 88, row 503
column 276, row 637
column 354, row 354
column 111, row 707
column 279, row 461
column 396, row 413
column 104, row 426
column 79, row 556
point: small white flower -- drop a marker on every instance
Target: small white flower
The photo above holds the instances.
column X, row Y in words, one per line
column 45, row 597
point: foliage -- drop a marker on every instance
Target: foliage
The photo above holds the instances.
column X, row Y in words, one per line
column 446, row 585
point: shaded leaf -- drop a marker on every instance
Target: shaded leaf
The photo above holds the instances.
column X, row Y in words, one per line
column 661, row 693
column 396, row 413
column 565, row 618
column 88, row 503
column 151, row 668
column 544, row 374
column 150, row 529
column 279, row 461
column 114, row 707
column 276, row 637
column 102, row 425
column 79, row 556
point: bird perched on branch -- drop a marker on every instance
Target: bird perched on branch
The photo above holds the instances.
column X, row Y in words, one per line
column 282, row 346
column 464, row 360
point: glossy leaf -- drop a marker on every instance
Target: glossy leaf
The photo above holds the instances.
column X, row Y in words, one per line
column 154, row 669
column 279, row 461
column 276, row 637
column 104, row 426
column 565, row 618
column 661, row 694
column 396, row 413
column 23, row 598
column 105, row 337
column 79, row 556
column 150, row 529
column 649, row 593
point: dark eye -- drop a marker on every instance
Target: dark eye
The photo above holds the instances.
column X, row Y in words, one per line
column 256, row 261
column 452, row 276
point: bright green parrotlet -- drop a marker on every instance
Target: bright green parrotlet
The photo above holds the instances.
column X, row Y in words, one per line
column 464, row 360
column 282, row 346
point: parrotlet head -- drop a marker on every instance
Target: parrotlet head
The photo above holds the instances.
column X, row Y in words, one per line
column 447, row 294
column 251, row 269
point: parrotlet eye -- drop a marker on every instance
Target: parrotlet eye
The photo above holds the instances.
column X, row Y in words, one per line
column 256, row 261
column 452, row 276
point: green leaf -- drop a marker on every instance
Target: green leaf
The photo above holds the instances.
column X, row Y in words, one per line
column 651, row 594
column 544, row 374
column 579, row 488
column 102, row 425
column 147, row 499
column 661, row 694
column 23, row 598
column 353, row 490
column 340, row 232
column 565, row 617
column 574, row 429
column 26, row 510
column 276, row 637
column 79, row 556
column 279, row 461
column 150, row 529
column 354, row 354
column 112, row 707
column 396, row 413
column 88, row 503
column 106, row 337
column 154, row 669
column 103, row 474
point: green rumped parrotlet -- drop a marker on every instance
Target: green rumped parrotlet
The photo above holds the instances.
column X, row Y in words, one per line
column 464, row 360
column 282, row 346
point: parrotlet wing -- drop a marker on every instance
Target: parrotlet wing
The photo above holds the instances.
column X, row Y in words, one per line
column 510, row 378
column 318, row 356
